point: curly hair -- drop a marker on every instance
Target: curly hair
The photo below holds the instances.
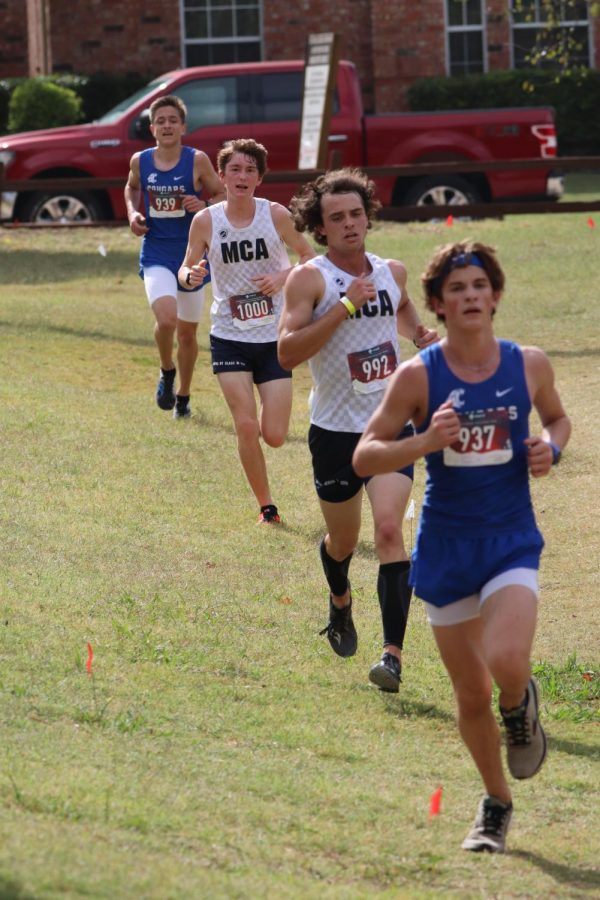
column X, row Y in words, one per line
column 458, row 255
column 306, row 206
column 246, row 146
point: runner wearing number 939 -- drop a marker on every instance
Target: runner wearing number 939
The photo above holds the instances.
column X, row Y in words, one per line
column 342, row 313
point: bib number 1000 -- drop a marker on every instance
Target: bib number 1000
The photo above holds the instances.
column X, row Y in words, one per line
column 251, row 310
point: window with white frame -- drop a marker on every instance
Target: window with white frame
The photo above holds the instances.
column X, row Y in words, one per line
column 465, row 31
column 550, row 33
column 221, row 31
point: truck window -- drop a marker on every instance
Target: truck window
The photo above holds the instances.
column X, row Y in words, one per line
column 214, row 101
column 278, row 97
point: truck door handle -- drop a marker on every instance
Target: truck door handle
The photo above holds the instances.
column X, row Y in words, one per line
column 337, row 138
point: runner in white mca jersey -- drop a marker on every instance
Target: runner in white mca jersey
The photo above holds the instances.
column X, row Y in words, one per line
column 244, row 238
column 342, row 313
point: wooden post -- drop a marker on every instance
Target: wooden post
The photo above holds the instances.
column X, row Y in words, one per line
column 322, row 57
column 38, row 38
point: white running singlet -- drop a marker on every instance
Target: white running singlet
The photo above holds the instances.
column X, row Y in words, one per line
column 351, row 371
column 239, row 311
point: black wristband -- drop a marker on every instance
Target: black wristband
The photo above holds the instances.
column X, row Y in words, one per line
column 556, row 453
column 188, row 277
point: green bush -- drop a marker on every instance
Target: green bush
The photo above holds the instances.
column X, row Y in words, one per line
column 575, row 97
column 98, row 93
column 39, row 103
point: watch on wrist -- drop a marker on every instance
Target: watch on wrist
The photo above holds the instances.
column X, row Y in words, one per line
column 188, row 278
column 556, row 453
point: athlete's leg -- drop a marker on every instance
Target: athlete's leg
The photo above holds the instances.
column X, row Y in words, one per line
column 165, row 314
column 461, row 649
column 509, row 618
column 343, row 528
column 187, row 354
column 275, row 410
column 189, row 312
column 388, row 495
column 238, row 390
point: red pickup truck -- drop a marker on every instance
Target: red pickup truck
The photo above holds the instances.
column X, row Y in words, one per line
column 264, row 101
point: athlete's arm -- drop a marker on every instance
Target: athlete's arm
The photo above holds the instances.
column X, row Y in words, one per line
column 556, row 425
column 300, row 337
column 294, row 241
column 406, row 397
column 408, row 321
column 198, row 241
column 133, row 196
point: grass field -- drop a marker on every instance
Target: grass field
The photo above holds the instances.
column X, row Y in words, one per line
column 218, row 749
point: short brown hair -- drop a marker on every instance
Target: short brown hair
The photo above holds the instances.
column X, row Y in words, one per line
column 168, row 100
column 306, row 206
column 246, row 146
column 457, row 255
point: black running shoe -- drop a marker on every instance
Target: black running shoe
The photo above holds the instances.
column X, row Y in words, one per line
column 490, row 827
column 386, row 673
column 269, row 515
column 165, row 394
column 340, row 629
column 525, row 737
column 182, row 408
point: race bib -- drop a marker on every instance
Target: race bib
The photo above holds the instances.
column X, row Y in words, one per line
column 370, row 369
column 166, row 206
column 484, row 440
column 251, row 310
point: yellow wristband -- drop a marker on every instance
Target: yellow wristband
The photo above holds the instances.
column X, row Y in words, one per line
column 349, row 305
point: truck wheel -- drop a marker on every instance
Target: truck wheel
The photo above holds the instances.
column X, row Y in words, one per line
column 49, row 208
column 441, row 190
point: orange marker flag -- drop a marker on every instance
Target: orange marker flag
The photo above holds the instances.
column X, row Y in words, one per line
column 450, row 220
column 591, row 222
column 88, row 665
column 435, row 802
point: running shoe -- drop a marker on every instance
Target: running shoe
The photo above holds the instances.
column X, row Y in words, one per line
column 386, row 673
column 182, row 408
column 525, row 737
column 165, row 395
column 340, row 629
column 269, row 515
column 490, row 827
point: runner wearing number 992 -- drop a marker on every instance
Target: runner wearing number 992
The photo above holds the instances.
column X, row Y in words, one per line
column 342, row 313
column 244, row 238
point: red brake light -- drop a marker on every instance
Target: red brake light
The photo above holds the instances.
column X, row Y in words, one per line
column 546, row 135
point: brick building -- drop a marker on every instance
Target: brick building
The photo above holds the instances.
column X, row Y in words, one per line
column 392, row 44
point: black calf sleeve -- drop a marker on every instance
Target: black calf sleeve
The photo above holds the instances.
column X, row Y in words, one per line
column 336, row 572
column 394, row 594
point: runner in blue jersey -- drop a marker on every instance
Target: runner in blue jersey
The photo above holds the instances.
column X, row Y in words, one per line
column 478, row 547
column 168, row 178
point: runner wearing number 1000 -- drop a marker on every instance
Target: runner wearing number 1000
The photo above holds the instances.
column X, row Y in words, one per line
column 342, row 313
column 244, row 238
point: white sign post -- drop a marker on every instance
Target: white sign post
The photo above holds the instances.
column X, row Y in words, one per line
column 322, row 53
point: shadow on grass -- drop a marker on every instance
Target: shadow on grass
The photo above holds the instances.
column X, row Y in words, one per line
column 584, row 879
column 47, row 328
column 573, row 748
column 414, row 709
column 11, row 890
column 61, row 266
column 574, row 354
